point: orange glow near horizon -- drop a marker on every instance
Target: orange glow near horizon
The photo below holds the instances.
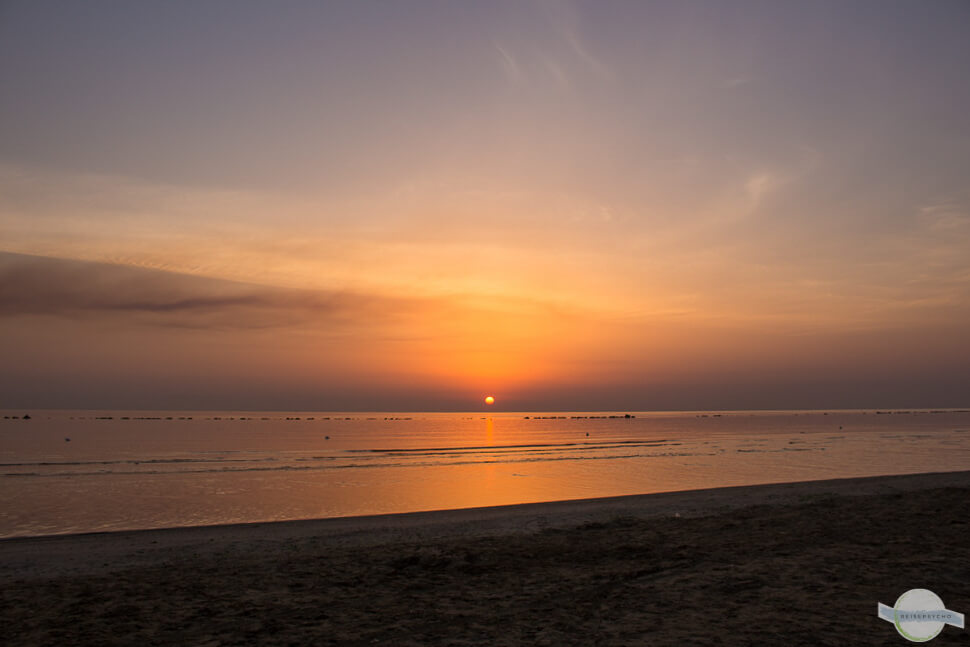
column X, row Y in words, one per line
column 556, row 199
column 489, row 400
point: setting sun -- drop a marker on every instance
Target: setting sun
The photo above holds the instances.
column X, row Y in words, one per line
column 489, row 400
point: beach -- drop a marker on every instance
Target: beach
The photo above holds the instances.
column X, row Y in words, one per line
column 801, row 562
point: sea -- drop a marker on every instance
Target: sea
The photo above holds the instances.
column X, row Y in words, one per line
column 92, row 471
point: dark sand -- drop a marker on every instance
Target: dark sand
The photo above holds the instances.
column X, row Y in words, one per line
column 791, row 564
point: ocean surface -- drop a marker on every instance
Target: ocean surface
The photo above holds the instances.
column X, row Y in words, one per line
column 83, row 471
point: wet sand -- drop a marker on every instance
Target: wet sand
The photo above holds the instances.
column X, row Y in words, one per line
column 803, row 563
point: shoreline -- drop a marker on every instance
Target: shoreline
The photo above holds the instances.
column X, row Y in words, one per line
column 57, row 555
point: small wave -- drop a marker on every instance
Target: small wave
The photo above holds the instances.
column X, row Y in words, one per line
column 530, row 449
column 141, row 461
column 589, row 444
column 354, row 465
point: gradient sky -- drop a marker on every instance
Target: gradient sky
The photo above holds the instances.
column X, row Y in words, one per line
column 410, row 205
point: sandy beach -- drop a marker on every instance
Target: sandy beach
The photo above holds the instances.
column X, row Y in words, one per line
column 804, row 563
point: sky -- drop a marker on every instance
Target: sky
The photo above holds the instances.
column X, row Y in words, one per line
column 410, row 205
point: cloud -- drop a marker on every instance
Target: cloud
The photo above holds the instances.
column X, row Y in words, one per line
column 566, row 23
column 35, row 285
column 945, row 217
column 509, row 64
column 736, row 82
column 554, row 50
column 758, row 186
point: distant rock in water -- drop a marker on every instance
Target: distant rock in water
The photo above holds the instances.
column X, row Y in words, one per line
column 26, row 416
column 67, row 440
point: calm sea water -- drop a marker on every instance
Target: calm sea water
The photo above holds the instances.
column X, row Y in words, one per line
column 80, row 471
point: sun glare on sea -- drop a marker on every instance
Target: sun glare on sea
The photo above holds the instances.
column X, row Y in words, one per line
column 489, row 400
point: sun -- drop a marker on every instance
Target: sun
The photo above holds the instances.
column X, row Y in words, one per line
column 489, row 400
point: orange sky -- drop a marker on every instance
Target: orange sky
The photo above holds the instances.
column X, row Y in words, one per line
column 569, row 206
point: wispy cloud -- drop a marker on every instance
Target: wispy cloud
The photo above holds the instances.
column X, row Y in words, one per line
column 946, row 217
column 758, row 186
column 736, row 82
column 566, row 21
column 513, row 71
column 556, row 50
